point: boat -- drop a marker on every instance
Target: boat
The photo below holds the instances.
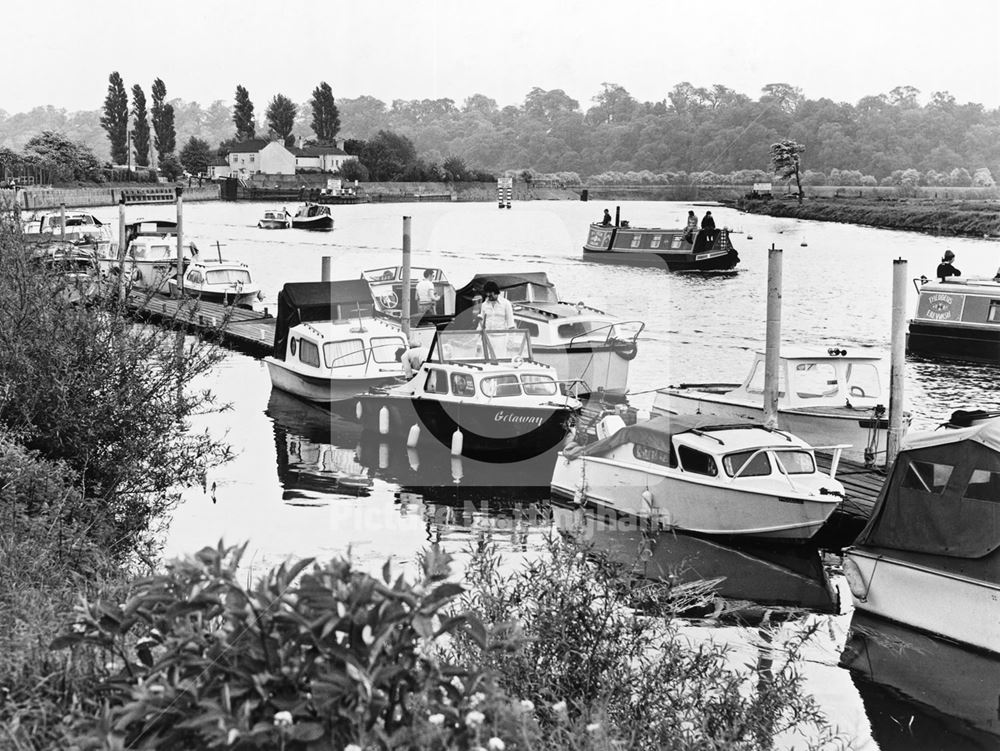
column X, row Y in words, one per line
column 80, row 229
column 481, row 394
column 312, row 216
column 697, row 474
column 580, row 341
column 77, row 269
column 328, row 345
column 957, row 319
column 386, row 283
column 707, row 250
column 929, row 558
column 275, row 219
column 824, row 396
column 220, row 281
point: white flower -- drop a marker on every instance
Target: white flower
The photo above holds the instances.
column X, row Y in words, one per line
column 593, row 727
column 559, row 707
column 687, row 725
column 495, row 744
column 283, row 719
column 436, row 719
column 234, row 735
column 477, row 698
column 527, row 705
column 366, row 635
column 352, row 747
column 457, row 683
column 156, row 690
column 474, row 719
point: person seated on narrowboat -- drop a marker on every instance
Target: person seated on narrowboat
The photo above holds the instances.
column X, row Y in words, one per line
column 945, row 269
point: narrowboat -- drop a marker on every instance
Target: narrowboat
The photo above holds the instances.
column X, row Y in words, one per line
column 707, row 250
column 957, row 319
column 312, row 216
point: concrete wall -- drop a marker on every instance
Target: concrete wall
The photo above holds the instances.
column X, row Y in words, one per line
column 77, row 197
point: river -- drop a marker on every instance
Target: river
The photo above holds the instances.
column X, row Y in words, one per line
column 302, row 485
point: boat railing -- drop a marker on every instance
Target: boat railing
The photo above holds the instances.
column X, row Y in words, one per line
column 585, row 335
column 573, row 387
column 837, row 449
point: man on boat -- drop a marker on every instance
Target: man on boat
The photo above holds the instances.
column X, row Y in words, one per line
column 412, row 358
column 945, row 269
column 427, row 297
column 497, row 312
column 606, row 221
column 691, row 227
column 708, row 228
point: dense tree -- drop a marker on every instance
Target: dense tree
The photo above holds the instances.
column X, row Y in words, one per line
column 786, row 161
column 62, row 158
column 140, row 127
column 281, row 117
column 325, row 117
column 170, row 166
column 352, row 169
column 115, row 118
column 196, row 156
column 388, row 155
column 165, row 139
column 246, row 127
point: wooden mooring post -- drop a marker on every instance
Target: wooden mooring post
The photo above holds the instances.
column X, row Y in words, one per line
column 897, row 360
column 772, row 338
column 180, row 242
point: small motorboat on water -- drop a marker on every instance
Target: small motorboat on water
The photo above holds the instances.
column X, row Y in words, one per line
column 481, row 394
column 700, row 474
column 673, row 249
column 957, row 319
column 275, row 219
column 312, row 216
column 76, row 227
column 151, row 261
column 328, row 345
column 220, row 281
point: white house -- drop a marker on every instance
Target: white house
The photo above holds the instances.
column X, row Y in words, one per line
column 257, row 155
column 319, row 158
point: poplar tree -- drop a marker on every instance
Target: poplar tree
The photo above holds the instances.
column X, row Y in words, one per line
column 115, row 118
column 140, row 127
column 281, row 117
column 165, row 139
column 326, row 118
column 243, row 115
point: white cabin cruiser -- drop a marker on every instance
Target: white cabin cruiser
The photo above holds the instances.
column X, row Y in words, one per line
column 76, row 227
column 698, row 474
column 221, row 281
column 930, row 555
column 328, row 346
column 386, row 284
column 275, row 219
column 481, row 394
column 825, row 396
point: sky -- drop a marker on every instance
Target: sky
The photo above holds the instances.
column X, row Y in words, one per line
column 61, row 52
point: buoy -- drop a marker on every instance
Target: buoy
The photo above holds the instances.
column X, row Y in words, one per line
column 457, row 470
column 413, row 458
column 383, row 455
column 358, row 411
column 383, row 421
column 413, row 436
column 457, row 441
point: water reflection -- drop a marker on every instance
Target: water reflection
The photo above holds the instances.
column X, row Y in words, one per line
column 921, row 692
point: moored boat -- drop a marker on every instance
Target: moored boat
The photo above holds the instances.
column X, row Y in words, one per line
column 76, row 227
column 707, row 250
column 275, row 219
column 930, row 555
column 701, row 475
column 957, row 319
column 312, row 216
column 221, row 281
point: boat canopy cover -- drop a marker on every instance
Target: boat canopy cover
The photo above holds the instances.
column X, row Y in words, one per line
column 657, row 433
column 302, row 302
column 464, row 296
column 941, row 505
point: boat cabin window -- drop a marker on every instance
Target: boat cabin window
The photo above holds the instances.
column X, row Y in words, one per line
column 815, row 380
column 993, row 314
column 507, row 345
column 384, row 348
column 747, row 463
column 228, row 276
column 194, row 277
column 437, row 381
column 576, row 328
column 697, row 462
column 500, row 386
column 649, row 454
column 462, row 384
column 343, row 353
column 755, row 384
column 796, row 462
column 983, row 486
column 293, row 346
column 528, row 326
column 863, row 380
column 309, row 353
column 538, row 385
column 930, row 477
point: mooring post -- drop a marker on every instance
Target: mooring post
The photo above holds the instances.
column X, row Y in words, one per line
column 121, row 249
column 325, row 269
column 897, row 360
column 772, row 345
column 62, row 222
column 404, row 296
column 180, row 242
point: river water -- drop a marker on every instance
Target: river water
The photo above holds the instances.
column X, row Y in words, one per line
column 305, row 483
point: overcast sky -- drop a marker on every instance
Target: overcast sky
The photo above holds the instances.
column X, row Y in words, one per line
column 60, row 52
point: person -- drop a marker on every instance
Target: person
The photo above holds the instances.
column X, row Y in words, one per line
column 708, row 222
column 606, row 221
column 691, row 227
column 427, row 296
column 497, row 312
column 945, row 269
column 411, row 358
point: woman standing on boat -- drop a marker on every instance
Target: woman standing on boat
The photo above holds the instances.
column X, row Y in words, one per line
column 945, row 269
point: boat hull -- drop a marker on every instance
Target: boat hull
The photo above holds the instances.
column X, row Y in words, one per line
column 497, row 433
column 272, row 224
column 688, row 504
column 663, row 248
column 319, row 223
column 322, row 390
column 954, row 341
column 938, row 602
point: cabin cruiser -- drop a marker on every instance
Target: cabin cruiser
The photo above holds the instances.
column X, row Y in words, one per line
column 481, row 394
column 151, row 261
column 220, row 281
column 930, row 555
column 75, row 227
column 328, row 345
column 578, row 340
column 77, row 269
column 700, row 474
column 275, row 219
column 312, row 216
column 386, row 284
column 957, row 319
column 824, row 396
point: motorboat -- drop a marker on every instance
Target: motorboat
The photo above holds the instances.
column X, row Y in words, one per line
column 79, row 228
column 578, row 340
column 76, row 267
column 151, row 261
column 479, row 393
column 673, row 249
column 700, row 474
column 221, row 281
column 328, row 345
column 312, row 216
column 957, row 319
column 825, row 396
column 386, row 283
column 929, row 558
column 275, row 219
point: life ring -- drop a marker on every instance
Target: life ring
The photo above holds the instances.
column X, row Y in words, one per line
column 625, row 349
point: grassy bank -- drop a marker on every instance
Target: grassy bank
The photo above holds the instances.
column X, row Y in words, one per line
column 972, row 218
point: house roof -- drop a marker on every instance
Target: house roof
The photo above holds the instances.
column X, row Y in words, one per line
column 318, row 151
column 251, row 146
